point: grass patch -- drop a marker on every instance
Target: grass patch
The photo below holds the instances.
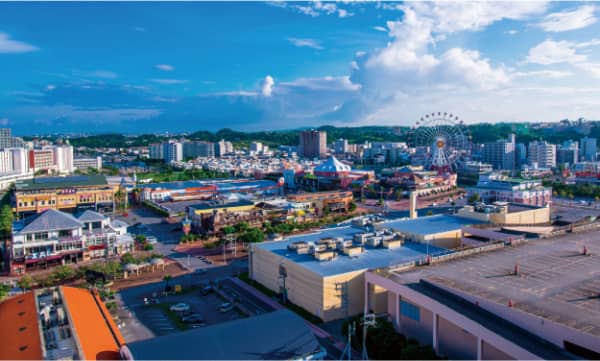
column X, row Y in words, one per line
column 173, row 316
column 270, row 293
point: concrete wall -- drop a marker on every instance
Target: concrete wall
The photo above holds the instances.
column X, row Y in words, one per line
column 304, row 288
column 332, row 295
column 455, row 342
column 489, row 352
column 532, row 216
column 421, row 330
column 449, row 239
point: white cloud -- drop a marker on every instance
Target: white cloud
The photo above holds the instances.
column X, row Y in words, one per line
column 305, row 42
column 102, row 74
column 340, row 83
column 316, row 8
column 552, row 52
column 168, row 81
column 267, row 86
column 8, row 45
column 140, row 29
column 50, row 87
column 380, row 28
column 569, row 19
column 511, row 32
column 553, row 74
column 164, row 67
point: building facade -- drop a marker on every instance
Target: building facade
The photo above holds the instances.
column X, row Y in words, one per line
column 500, row 154
column 198, row 149
column 53, row 237
column 542, row 153
column 588, row 148
column 87, row 163
column 313, row 144
column 35, row 195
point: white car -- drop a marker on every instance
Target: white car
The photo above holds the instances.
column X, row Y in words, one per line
column 226, row 307
column 180, row 307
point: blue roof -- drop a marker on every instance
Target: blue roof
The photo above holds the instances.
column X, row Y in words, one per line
column 223, row 185
column 431, row 224
column 371, row 258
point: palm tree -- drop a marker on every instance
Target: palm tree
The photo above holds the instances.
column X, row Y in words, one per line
column 167, row 279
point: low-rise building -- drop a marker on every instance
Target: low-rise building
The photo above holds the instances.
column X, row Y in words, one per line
column 209, row 217
column 60, row 323
column 54, row 237
column 496, row 187
column 336, row 201
column 68, row 193
column 87, row 163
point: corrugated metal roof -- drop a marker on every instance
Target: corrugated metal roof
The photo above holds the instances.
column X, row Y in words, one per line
column 279, row 335
column 50, row 220
column 60, row 182
column 440, row 223
column 90, row 216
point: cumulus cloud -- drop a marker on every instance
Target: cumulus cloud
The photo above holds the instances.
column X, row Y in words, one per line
column 8, row 45
column 164, row 67
column 305, row 42
column 552, row 52
column 316, row 8
column 168, row 81
column 380, row 28
column 569, row 19
column 267, row 86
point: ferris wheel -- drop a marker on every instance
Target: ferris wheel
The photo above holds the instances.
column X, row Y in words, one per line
column 441, row 141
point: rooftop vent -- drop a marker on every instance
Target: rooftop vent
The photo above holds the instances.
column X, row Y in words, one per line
column 324, row 255
column 392, row 243
column 353, row 250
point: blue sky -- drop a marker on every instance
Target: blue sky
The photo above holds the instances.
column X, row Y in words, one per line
column 141, row 67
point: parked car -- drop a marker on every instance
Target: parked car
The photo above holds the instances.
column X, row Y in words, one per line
column 206, row 290
column 226, row 307
column 199, row 271
column 195, row 319
column 180, row 307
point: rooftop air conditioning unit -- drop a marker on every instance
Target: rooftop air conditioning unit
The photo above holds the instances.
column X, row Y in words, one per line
column 353, row 250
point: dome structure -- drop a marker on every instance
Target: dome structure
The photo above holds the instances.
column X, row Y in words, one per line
column 331, row 166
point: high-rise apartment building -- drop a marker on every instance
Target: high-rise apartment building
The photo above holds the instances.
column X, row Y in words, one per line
column 542, row 153
column 223, row 147
column 568, row 152
column 198, row 149
column 155, row 151
column 63, row 158
column 341, row 146
column 313, row 144
column 256, row 147
column 587, row 149
column 5, row 138
column 172, row 151
column 500, row 154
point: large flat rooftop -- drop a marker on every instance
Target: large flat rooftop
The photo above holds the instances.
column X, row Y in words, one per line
column 223, row 185
column 556, row 281
column 440, row 223
column 371, row 258
column 39, row 183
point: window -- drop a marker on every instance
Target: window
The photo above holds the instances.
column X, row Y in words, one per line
column 409, row 310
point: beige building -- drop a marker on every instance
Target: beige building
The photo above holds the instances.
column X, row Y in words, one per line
column 504, row 213
column 323, row 272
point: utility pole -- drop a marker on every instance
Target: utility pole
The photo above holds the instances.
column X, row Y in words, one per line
column 348, row 348
column 367, row 321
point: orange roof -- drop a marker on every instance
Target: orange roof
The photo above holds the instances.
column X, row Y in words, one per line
column 97, row 333
column 19, row 330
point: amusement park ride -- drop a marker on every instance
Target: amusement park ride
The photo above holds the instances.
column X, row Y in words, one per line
column 443, row 138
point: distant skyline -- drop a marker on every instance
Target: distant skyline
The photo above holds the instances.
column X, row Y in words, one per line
column 155, row 67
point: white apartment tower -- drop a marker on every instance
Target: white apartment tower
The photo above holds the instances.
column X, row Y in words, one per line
column 542, row 153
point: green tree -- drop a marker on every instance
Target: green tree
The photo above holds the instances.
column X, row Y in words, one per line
column 473, row 198
column 167, row 280
column 252, row 235
column 63, row 273
column 228, row 230
column 128, row 258
column 241, row 227
column 25, row 282
column 352, row 207
column 4, row 289
column 6, row 220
